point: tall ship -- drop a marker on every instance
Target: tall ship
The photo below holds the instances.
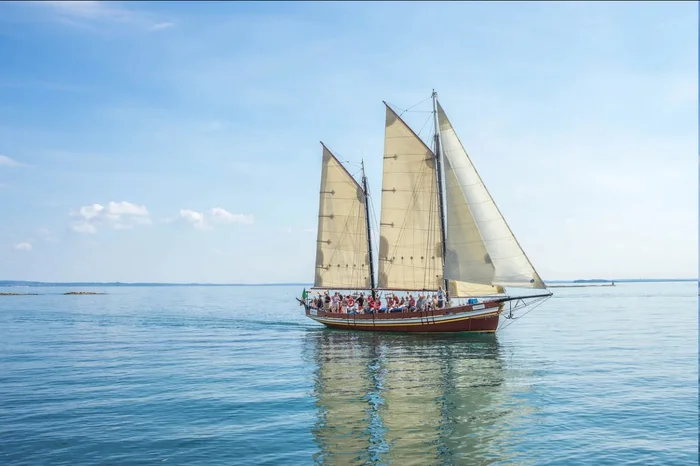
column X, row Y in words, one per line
column 443, row 243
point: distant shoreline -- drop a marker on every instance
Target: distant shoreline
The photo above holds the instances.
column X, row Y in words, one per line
column 20, row 283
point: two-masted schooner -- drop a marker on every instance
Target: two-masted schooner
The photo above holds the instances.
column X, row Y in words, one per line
column 439, row 231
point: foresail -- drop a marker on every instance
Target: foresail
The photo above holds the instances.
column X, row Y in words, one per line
column 410, row 252
column 459, row 289
column 342, row 253
column 466, row 259
column 511, row 265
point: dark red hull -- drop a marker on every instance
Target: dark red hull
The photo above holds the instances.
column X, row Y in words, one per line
column 474, row 318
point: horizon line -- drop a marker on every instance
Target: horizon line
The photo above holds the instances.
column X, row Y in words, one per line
column 4, row 282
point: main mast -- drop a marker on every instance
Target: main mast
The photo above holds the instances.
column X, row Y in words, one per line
column 441, row 204
column 369, row 231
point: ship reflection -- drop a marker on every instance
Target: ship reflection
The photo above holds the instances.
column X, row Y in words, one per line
column 409, row 399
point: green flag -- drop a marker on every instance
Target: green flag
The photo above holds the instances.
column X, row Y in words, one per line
column 303, row 294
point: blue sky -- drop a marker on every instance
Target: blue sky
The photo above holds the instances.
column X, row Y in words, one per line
column 124, row 126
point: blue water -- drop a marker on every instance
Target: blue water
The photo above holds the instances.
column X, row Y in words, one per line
column 237, row 376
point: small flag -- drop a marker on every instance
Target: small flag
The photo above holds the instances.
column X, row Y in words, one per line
column 304, row 294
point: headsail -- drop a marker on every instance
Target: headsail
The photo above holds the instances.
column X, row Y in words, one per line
column 467, row 258
column 476, row 226
column 342, row 249
column 410, row 254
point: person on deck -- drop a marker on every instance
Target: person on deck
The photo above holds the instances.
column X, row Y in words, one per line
column 420, row 305
column 441, row 298
column 351, row 304
column 411, row 303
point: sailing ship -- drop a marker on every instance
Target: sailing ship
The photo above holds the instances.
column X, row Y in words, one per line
column 439, row 231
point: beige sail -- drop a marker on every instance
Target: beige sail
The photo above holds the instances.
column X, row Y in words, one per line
column 342, row 259
column 459, row 289
column 511, row 265
column 466, row 258
column 410, row 252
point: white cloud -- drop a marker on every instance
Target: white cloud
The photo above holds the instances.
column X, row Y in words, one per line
column 195, row 218
column 216, row 215
column 118, row 215
column 219, row 215
column 23, row 246
column 8, row 162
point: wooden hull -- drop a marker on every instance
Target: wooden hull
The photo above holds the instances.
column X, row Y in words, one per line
column 477, row 318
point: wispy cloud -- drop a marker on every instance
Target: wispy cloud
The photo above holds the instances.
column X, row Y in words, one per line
column 88, row 14
column 47, row 235
column 118, row 215
column 216, row 215
column 160, row 26
column 23, row 247
column 6, row 161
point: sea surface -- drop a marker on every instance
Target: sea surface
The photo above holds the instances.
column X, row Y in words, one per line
column 238, row 376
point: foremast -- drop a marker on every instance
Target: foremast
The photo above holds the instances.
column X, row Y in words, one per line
column 373, row 286
column 441, row 201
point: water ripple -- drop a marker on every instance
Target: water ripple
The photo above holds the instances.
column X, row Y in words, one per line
column 226, row 376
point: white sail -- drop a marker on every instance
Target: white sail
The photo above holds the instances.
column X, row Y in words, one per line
column 342, row 259
column 511, row 265
column 466, row 256
column 410, row 252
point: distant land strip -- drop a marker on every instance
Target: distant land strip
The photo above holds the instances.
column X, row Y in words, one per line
column 21, row 283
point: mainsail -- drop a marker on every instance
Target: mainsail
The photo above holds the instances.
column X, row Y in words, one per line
column 410, row 250
column 342, row 251
column 481, row 247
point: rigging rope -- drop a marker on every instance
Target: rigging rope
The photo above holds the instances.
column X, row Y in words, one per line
column 534, row 305
column 415, row 105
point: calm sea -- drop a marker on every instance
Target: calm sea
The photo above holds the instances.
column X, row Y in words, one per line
column 238, row 376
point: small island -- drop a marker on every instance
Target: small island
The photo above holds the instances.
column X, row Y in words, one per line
column 83, row 292
column 17, row 294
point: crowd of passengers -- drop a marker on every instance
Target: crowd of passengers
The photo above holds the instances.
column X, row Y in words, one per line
column 361, row 304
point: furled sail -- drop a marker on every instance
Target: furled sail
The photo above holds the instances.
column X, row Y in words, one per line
column 459, row 289
column 342, row 259
column 410, row 252
column 511, row 267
